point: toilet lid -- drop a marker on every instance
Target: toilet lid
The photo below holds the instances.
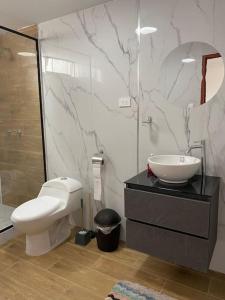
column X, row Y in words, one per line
column 36, row 208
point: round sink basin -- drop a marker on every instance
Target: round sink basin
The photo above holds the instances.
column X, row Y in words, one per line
column 174, row 168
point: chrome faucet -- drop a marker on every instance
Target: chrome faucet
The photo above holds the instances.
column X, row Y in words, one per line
column 199, row 145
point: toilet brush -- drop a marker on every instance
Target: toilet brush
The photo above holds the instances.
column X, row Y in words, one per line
column 83, row 237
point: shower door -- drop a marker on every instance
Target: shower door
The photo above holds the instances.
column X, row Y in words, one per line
column 22, row 165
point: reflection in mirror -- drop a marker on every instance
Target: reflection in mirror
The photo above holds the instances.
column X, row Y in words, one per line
column 212, row 75
column 191, row 74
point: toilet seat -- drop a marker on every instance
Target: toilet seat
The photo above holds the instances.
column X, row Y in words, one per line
column 36, row 208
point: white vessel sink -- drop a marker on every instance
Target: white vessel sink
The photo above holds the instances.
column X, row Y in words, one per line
column 174, row 168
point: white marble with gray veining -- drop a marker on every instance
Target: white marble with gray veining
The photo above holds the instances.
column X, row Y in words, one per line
column 92, row 58
column 174, row 128
column 89, row 62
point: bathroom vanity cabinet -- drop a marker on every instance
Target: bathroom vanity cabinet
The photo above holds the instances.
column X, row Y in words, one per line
column 175, row 223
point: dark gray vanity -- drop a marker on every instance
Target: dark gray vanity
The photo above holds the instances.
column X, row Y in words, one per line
column 175, row 223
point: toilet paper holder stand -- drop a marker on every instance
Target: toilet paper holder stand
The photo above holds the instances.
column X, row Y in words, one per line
column 98, row 158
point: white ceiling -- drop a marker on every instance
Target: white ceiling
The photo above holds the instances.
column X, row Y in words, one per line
column 20, row 13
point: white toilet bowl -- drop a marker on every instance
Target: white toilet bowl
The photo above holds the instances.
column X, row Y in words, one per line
column 47, row 220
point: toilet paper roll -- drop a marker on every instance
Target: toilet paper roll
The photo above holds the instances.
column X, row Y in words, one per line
column 97, row 181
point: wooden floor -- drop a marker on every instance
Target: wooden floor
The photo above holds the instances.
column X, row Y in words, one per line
column 80, row 273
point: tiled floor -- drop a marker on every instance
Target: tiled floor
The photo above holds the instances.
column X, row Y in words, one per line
column 85, row 273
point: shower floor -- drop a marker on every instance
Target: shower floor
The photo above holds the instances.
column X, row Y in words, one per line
column 5, row 214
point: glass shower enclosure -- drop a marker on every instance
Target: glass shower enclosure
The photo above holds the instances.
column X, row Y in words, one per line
column 22, row 159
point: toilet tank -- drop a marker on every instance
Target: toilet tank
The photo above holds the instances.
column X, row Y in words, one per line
column 68, row 190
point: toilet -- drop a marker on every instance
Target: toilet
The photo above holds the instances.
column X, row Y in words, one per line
column 47, row 220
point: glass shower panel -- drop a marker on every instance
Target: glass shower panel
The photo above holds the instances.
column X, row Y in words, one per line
column 21, row 144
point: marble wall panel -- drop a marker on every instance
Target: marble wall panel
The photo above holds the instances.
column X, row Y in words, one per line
column 89, row 61
column 92, row 58
column 175, row 128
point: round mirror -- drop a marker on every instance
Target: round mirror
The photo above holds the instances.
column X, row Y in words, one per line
column 191, row 74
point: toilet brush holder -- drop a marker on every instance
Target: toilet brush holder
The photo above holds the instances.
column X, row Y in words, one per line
column 82, row 237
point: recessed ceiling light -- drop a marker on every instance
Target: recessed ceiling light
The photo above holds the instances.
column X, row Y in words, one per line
column 30, row 54
column 145, row 30
column 188, row 60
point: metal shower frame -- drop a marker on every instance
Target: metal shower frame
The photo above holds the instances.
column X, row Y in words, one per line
column 39, row 89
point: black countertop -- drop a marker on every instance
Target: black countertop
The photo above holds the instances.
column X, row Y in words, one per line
column 196, row 188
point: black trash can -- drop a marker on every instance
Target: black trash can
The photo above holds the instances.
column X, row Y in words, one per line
column 108, row 229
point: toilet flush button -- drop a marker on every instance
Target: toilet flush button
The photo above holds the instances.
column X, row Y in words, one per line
column 63, row 178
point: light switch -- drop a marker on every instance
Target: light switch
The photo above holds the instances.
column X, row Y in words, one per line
column 124, row 102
